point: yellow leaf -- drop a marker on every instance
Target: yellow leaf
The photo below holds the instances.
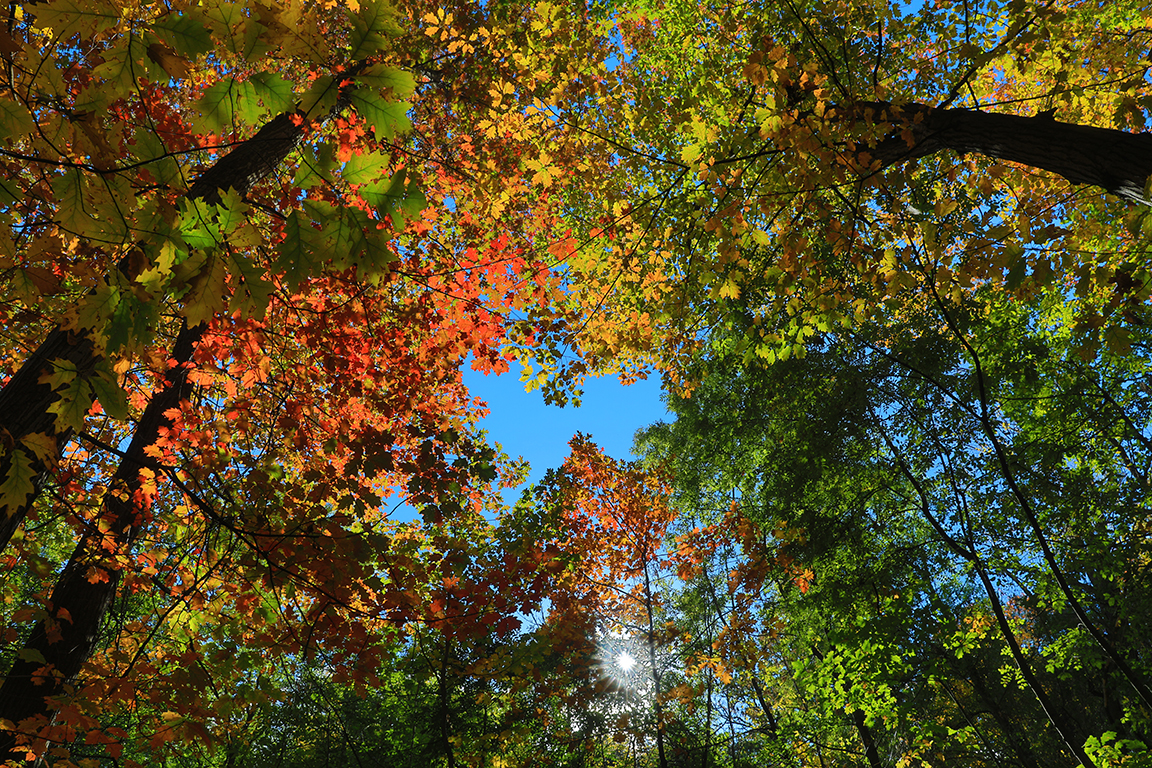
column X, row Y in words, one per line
column 542, row 178
column 18, row 483
column 945, row 207
column 207, row 294
column 43, row 446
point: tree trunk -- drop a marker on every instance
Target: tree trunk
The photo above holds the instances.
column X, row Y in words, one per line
column 24, row 405
column 866, row 738
column 60, row 644
column 654, row 669
column 859, row 721
column 1117, row 161
column 24, row 401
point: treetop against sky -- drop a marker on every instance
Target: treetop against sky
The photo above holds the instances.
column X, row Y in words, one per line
column 889, row 264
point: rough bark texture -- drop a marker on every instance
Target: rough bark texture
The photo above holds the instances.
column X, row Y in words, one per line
column 866, row 738
column 1116, row 161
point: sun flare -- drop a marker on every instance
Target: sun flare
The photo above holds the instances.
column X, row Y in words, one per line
column 625, row 661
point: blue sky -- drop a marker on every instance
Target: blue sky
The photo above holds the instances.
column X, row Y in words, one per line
column 525, row 426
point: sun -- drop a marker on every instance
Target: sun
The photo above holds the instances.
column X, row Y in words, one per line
column 619, row 661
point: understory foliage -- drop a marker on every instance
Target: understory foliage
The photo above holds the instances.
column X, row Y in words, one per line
column 890, row 262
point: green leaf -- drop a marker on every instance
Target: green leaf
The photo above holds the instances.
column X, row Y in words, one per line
column 43, row 447
column 93, row 311
column 197, row 227
column 151, row 150
column 247, row 103
column 345, row 233
column 86, row 18
column 1017, row 265
column 31, row 655
column 19, row 482
column 274, row 91
column 366, row 168
column 206, row 225
column 226, row 102
column 402, row 201
column 253, row 291
column 15, row 119
column 231, row 211
column 71, row 407
column 377, row 258
column 378, row 77
column 207, row 292
column 371, row 28
column 155, row 222
column 219, row 105
column 123, row 63
column 315, row 168
column 112, row 397
column 387, row 118
column 131, row 322
column 297, row 249
column 240, row 32
column 376, row 192
column 70, row 213
column 184, row 33
column 9, row 192
column 320, row 98
column 1118, row 339
column 60, row 375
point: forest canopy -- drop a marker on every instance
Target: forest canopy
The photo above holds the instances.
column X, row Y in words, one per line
column 889, row 261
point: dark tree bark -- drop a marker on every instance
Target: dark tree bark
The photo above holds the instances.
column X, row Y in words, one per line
column 1117, row 161
column 24, row 400
column 866, row 738
column 859, row 722
column 59, row 645
column 24, row 405
column 85, row 589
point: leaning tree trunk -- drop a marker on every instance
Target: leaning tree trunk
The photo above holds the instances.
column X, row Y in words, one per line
column 24, row 400
column 59, row 645
column 1117, row 161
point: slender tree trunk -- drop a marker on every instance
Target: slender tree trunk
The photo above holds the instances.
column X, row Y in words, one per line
column 708, row 726
column 1118, row 161
column 1021, row 747
column 866, row 738
column 649, row 608
column 1059, row 720
column 860, row 722
column 444, row 698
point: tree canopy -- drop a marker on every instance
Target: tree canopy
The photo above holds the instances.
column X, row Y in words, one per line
column 890, row 262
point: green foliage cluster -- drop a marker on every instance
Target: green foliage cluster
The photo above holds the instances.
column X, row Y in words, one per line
column 891, row 262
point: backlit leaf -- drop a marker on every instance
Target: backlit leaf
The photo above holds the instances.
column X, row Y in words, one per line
column 386, row 118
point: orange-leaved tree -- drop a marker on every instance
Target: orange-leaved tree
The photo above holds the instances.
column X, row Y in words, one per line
column 245, row 250
column 610, row 520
